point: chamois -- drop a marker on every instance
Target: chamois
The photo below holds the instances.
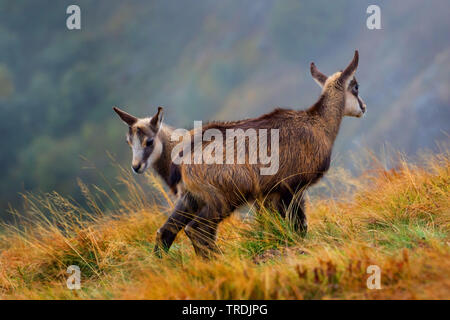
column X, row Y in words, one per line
column 151, row 145
column 211, row 192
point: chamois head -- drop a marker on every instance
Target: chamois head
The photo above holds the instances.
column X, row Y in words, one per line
column 343, row 80
column 142, row 136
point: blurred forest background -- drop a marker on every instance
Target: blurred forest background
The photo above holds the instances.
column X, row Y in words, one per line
column 205, row 60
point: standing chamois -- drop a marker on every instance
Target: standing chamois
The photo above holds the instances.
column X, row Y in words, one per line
column 211, row 192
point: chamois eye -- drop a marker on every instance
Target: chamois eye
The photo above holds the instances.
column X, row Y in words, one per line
column 356, row 87
column 149, row 142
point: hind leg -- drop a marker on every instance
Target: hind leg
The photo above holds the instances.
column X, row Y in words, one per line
column 184, row 211
column 292, row 206
column 297, row 216
column 202, row 231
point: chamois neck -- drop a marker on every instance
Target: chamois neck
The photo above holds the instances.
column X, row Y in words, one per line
column 162, row 165
column 329, row 109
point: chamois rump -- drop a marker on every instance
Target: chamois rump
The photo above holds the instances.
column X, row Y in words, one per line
column 211, row 192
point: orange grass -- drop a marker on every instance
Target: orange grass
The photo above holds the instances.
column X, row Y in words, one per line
column 397, row 219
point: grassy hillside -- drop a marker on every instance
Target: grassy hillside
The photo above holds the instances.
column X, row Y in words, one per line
column 398, row 220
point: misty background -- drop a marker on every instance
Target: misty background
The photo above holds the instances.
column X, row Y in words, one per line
column 205, row 60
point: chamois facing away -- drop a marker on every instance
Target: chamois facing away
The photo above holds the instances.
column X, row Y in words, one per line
column 211, row 192
column 150, row 143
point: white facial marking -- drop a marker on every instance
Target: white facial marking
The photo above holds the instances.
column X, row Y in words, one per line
column 138, row 153
column 352, row 107
column 138, row 150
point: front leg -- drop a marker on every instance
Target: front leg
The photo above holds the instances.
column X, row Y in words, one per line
column 202, row 231
column 185, row 209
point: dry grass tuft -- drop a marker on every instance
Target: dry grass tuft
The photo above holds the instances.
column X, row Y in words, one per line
column 397, row 219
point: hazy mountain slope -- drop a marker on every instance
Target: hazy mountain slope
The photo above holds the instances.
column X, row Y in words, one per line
column 204, row 60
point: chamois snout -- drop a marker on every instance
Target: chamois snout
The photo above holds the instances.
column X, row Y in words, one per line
column 137, row 167
column 362, row 106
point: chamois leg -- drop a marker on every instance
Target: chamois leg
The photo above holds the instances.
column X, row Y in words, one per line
column 293, row 206
column 298, row 217
column 202, row 232
column 184, row 211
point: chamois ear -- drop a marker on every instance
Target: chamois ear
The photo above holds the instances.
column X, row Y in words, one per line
column 318, row 76
column 156, row 121
column 348, row 73
column 126, row 117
